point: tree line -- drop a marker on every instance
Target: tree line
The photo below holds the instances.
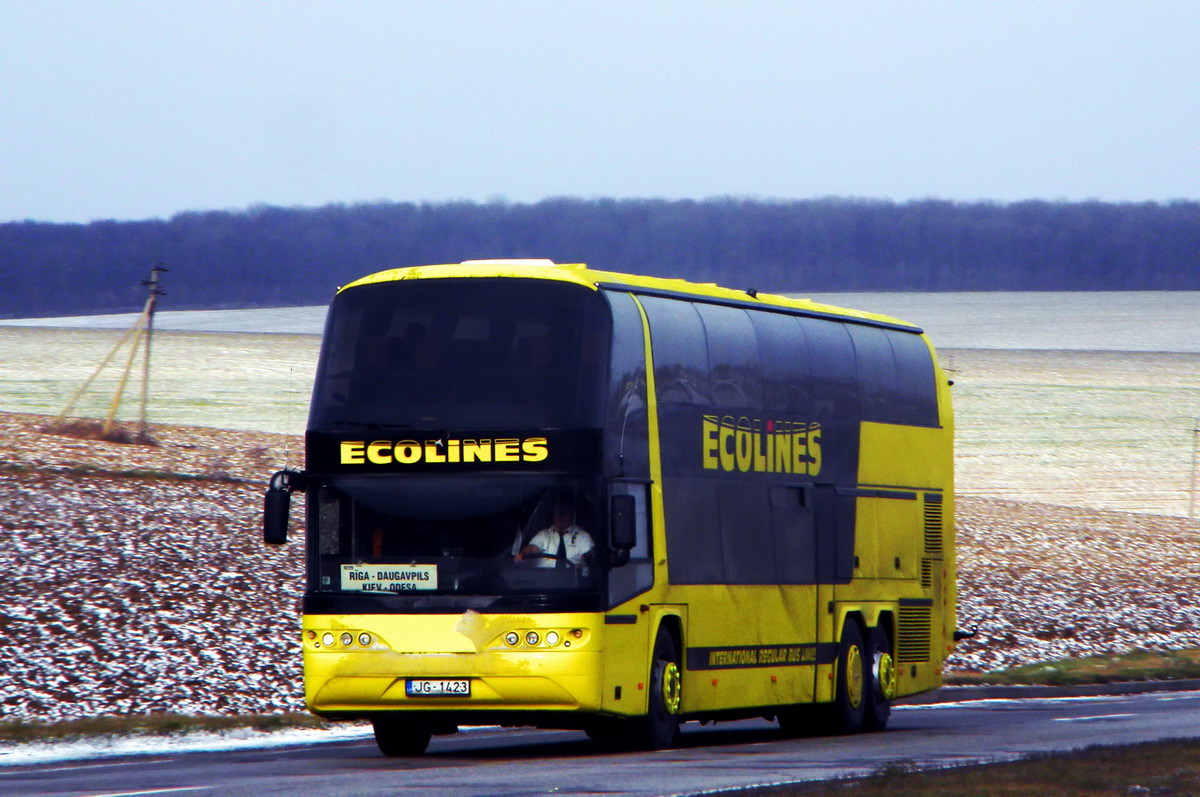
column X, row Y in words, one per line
column 274, row 256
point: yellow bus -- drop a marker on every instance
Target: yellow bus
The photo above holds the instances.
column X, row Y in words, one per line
column 544, row 495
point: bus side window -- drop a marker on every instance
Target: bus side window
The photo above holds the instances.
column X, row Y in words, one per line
column 834, row 378
column 681, row 368
column 916, row 383
column 626, row 425
column 786, row 375
column 876, row 373
column 637, row 575
column 733, row 357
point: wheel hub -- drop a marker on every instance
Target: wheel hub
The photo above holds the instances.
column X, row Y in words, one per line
column 854, row 676
column 672, row 687
column 885, row 674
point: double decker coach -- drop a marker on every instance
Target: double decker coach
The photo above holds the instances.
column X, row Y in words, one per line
column 540, row 494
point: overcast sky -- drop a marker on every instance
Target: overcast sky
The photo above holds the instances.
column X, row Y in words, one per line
column 131, row 110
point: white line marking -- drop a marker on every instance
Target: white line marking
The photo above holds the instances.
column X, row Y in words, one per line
column 1094, row 717
column 108, row 765
column 171, row 790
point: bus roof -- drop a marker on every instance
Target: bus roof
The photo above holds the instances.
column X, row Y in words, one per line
column 580, row 274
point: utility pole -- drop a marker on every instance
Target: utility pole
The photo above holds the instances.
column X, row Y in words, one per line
column 142, row 326
column 151, row 302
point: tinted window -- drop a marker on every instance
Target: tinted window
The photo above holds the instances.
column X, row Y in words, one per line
column 732, row 356
column 916, row 399
column 794, row 540
column 680, row 355
column 693, row 532
column 876, row 372
column 625, row 425
column 463, row 353
column 747, row 543
column 458, row 536
column 783, row 352
column 834, row 382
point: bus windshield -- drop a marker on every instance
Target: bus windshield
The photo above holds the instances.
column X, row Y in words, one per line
column 453, row 353
column 474, row 535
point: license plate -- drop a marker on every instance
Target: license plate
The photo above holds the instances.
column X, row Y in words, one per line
column 459, row 687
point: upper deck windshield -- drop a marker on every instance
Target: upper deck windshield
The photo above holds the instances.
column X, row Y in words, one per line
column 459, row 371
column 463, row 353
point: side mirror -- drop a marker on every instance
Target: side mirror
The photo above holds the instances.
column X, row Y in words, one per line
column 276, row 506
column 623, row 522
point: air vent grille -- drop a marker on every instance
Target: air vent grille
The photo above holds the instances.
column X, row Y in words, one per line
column 915, row 633
column 927, row 573
column 933, row 525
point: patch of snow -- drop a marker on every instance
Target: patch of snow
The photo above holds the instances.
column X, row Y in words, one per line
column 114, row 746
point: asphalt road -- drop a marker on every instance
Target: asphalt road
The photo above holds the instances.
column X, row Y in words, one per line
column 732, row 755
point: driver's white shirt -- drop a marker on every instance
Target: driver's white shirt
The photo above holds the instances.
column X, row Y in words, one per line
column 576, row 541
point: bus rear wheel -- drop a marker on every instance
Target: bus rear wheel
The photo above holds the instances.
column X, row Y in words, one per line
column 660, row 727
column 853, row 681
column 400, row 736
column 881, row 685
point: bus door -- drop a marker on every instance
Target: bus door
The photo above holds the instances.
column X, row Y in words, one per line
column 797, row 564
column 835, row 565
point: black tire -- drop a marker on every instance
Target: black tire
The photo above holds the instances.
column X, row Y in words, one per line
column 881, row 672
column 659, row 729
column 400, row 736
column 852, row 679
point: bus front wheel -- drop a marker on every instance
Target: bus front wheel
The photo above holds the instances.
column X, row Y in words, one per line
column 400, row 736
column 660, row 727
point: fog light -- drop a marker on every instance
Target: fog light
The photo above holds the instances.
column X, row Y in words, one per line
column 551, row 637
column 512, row 637
column 327, row 639
column 364, row 640
column 532, row 638
column 347, row 639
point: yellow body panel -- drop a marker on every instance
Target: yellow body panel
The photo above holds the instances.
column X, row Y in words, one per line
column 356, row 677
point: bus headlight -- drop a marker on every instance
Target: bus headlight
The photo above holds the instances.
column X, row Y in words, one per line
column 347, row 639
column 551, row 637
column 364, row 639
column 532, row 638
column 512, row 638
column 327, row 639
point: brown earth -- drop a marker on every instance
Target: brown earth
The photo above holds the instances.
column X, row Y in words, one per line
column 136, row 580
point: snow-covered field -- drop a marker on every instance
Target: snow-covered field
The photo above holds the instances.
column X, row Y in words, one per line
column 199, row 742
column 127, row 593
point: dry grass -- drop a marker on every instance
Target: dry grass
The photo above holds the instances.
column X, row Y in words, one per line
column 232, row 381
column 1102, row 430
column 1139, row 665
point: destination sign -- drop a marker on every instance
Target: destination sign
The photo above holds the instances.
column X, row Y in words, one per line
column 389, row 578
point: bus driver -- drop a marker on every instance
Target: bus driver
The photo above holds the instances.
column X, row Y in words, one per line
column 562, row 543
